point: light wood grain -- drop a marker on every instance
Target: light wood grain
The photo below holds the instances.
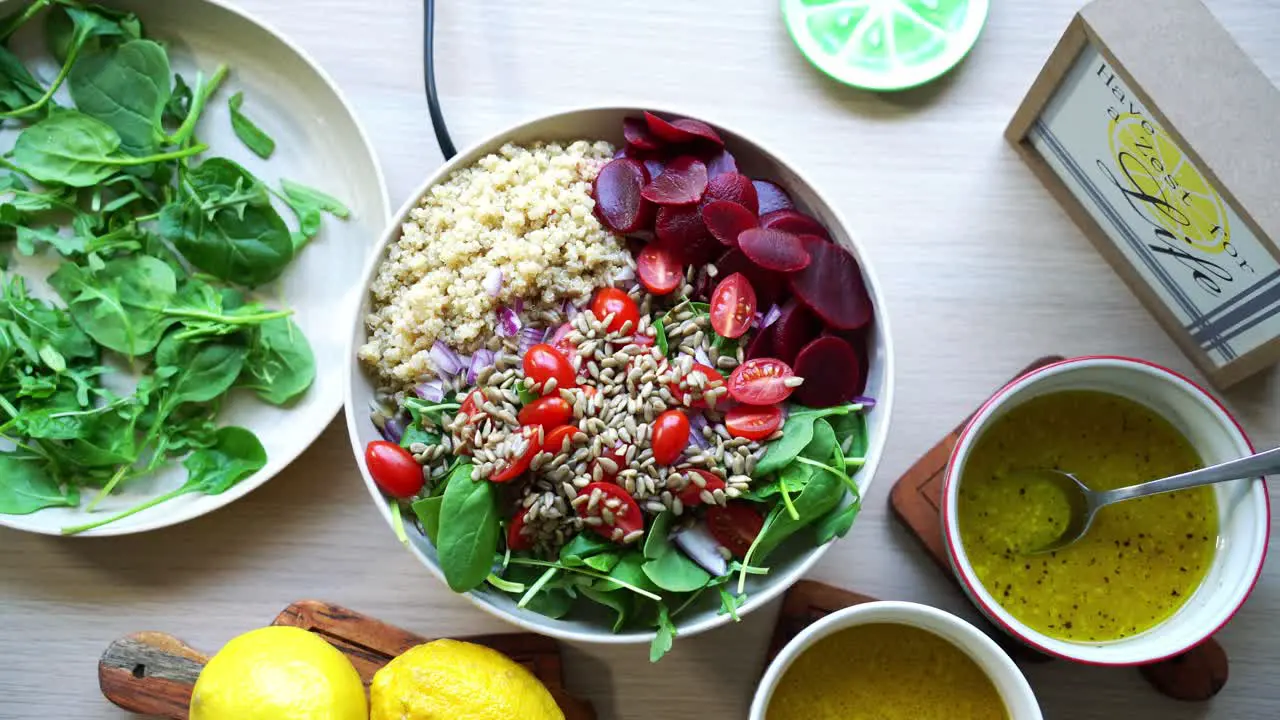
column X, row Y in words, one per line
column 983, row 273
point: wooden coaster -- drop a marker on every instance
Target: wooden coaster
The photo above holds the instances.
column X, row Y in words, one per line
column 154, row 673
column 1195, row 675
column 807, row 602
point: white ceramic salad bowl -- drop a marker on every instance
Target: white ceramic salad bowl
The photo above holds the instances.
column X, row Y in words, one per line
column 792, row 559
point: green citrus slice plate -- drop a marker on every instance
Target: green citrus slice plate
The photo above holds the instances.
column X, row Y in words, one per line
column 884, row 44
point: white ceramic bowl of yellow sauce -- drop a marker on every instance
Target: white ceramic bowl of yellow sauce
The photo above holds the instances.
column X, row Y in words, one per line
column 1008, row 682
column 1243, row 511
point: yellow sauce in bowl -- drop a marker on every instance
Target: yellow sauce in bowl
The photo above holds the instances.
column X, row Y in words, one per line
column 1139, row 562
column 885, row 671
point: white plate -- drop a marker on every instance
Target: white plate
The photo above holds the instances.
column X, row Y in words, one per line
column 320, row 143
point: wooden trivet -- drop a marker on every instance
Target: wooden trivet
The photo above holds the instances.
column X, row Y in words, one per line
column 1195, row 675
column 807, row 602
column 153, row 673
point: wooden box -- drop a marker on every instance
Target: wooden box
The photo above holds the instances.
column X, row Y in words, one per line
column 1162, row 140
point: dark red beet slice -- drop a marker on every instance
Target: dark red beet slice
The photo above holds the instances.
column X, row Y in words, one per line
column 832, row 285
column 703, row 284
column 699, row 130
column 831, row 372
column 682, row 229
column 793, row 329
column 774, row 249
column 617, row 191
column 734, row 188
column 655, row 166
column 720, row 163
column 772, row 197
column 682, row 182
column 681, row 130
column 769, row 286
column 726, row 220
column 621, row 152
column 857, row 340
column 794, row 222
column 761, row 344
column 638, row 135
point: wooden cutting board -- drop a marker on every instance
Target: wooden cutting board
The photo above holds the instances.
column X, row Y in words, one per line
column 1198, row 674
column 153, row 673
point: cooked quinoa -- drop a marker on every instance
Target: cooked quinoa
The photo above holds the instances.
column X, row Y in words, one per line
column 525, row 211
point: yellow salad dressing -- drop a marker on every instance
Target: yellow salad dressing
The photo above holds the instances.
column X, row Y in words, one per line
column 1139, row 562
column 885, row 671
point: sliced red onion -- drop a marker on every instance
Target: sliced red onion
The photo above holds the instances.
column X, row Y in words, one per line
column 570, row 310
column 771, row 317
column 696, row 425
column 492, row 282
column 625, row 275
column 431, row 391
column 518, row 305
column 702, row 548
column 393, row 429
column 479, row 361
column 529, row 337
column 701, row 356
column 508, row 321
column 866, row 402
column 445, row 360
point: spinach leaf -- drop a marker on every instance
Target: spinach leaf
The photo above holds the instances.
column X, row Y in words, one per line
column 584, row 546
column 469, row 530
column 730, row 603
column 668, row 567
column 797, row 431
column 250, row 134
column 26, row 486
column 629, row 570
column 553, row 602
column 823, row 443
column 414, row 434
column 117, row 305
column 428, row 512
column 67, row 27
column 179, row 104
column 127, row 87
column 30, row 239
column 17, row 87
column 280, row 362
column 71, row 148
column 200, row 371
column 226, row 225
column 308, row 204
column 821, row 494
column 665, row 637
column 851, row 434
column 835, row 524
column 620, row 603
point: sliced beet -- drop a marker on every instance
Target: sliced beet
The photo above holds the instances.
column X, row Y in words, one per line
column 857, row 340
column 682, row 229
column 774, row 249
column 681, row 130
column 727, row 220
column 682, row 182
column 618, row 190
column 831, row 286
column 638, row 135
column 734, row 188
column 772, row 197
column 699, row 130
column 720, row 163
column 794, row 221
column 655, row 166
column 793, row 329
column 620, row 153
column 831, row 371
column 703, row 284
column 769, row 286
column 761, row 344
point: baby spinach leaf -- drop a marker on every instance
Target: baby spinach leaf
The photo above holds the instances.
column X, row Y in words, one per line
column 236, row 454
column 620, row 603
column 583, row 546
column 797, row 432
column 203, row 371
column 280, row 363
column 823, row 443
column 668, row 567
column 67, row 27
column 729, row 603
column 179, row 104
column 71, row 148
column 553, row 602
column 665, row 636
column 469, row 530
column 835, row 524
column 629, row 570
column 428, row 512
column 117, row 306
column 851, row 434
column 250, row 134
column 821, row 494
column 18, row 88
column 414, row 434
column 26, row 486
column 127, row 87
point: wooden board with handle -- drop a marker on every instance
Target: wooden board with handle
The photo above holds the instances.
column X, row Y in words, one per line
column 153, row 673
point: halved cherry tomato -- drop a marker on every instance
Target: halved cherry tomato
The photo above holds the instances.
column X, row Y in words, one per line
column 554, row 439
column 735, row 526
column 560, row 341
column 618, row 454
column 761, row 381
column 753, row 422
column 623, row 510
column 547, row 412
column 511, row 468
column 714, row 380
column 691, row 495
column 471, row 404
column 670, row 436
column 612, row 301
column 543, row 362
column 658, row 269
column 393, row 469
column 517, row 540
column 733, row 304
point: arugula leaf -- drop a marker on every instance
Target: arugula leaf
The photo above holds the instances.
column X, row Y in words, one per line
column 280, row 363
column 665, row 636
column 127, row 87
column 26, row 487
column 469, row 530
column 729, row 603
column 308, row 204
column 250, row 134
column 660, row 336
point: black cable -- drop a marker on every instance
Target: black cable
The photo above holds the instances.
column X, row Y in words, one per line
column 429, row 71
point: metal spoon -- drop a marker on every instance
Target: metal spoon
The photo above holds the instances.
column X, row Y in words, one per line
column 1085, row 503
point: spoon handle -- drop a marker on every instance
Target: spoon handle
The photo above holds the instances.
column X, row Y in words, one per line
column 1263, row 463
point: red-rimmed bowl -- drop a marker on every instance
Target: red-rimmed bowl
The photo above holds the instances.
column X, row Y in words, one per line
column 1244, row 516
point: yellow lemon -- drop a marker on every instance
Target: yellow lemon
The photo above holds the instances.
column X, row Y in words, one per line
column 279, row 673
column 452, row 680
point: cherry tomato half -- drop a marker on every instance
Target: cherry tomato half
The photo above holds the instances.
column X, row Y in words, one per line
column 560, row 341
column 691, row 495
column 511, row 468
column 547, row 412
column 612, row 301
column 554, row 439
column 670, row 436
column 733, row 305
column 624, row 516
column 543, row 362
column 753, row 422
column 393, row 469
column 471, row 404
column 618, row 454
column 735, row 526
column 713, row 380
column 516, row 539
column 761, row 381
column 658, row 269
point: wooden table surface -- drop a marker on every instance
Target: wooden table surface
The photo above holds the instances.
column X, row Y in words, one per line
column 983, row 272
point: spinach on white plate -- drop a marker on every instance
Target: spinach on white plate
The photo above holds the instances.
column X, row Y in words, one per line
column 158, row 244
